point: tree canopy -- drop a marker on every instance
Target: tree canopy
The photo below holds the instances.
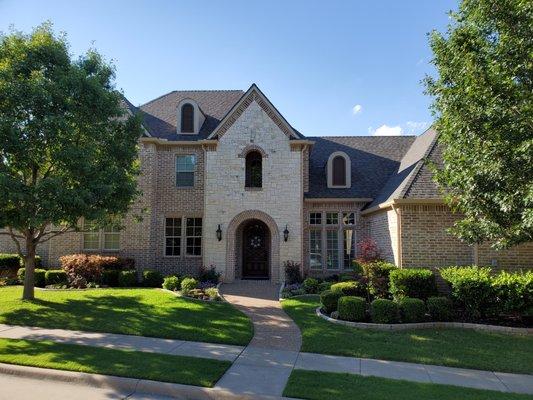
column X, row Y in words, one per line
column 68, row 147
column 483, row 102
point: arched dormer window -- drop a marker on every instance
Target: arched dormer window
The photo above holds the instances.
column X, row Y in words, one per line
column 254, row 170
column 187, row 118
column 339, row 170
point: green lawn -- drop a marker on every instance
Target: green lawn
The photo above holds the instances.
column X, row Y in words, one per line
column 99, row 360
column 451, row 347
column 144, row 312
column 331, row 386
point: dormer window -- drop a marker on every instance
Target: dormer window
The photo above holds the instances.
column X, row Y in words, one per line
column 187, row 118
column 339, row 170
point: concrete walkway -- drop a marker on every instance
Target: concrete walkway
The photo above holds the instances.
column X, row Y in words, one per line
column 264, row 367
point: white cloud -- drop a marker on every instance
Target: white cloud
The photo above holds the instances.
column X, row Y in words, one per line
column 357, row 109
column 416, row 127
column 385, row 130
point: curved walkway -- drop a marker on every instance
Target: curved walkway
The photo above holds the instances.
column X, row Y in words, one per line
column 265, row 365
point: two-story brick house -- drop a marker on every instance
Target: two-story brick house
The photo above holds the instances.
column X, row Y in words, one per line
column 227, row 181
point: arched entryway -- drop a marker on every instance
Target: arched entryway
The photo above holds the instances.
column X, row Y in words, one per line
column 252, row 247
column 255, row 249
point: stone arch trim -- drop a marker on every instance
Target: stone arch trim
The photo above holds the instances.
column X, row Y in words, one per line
column 231, row 244
column 252, row 147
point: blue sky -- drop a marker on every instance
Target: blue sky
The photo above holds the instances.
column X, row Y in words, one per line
column 330, row 67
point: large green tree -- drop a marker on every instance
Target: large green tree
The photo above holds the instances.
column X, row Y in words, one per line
column 483, row 102
column 67, row 146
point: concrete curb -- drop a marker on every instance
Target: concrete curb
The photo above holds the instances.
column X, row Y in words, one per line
column 131, row 385
column 427, row 325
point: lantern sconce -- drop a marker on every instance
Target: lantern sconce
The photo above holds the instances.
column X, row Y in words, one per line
column 286, row 233
column 219, row 233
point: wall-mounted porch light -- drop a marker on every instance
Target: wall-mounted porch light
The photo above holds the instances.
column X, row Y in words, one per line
column 286, row 233
column 219, row 233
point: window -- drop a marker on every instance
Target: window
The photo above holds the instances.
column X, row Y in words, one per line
column 315, row 249
column 348, row 218
column 348, row 248
column 173, row 236
column 339, row 171
column 254, row 170
column 194, row 236
column 111, row 238
column 315, row 218
column 100, row 239
column 185, row 168
column 332, row 249
column 187, row 118
column 91, row 236
column 332, row 218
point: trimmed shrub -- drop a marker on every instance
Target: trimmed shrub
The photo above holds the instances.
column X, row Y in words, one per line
column 377, row 274
column 329, row 300
column 440, row 308
column 414, row 282
column 347, row 276
column 209, row 275
column 514, row 291
column 311, row 285
column 352, row 308
column 39, row 276
column 127, row 278
column 55, row 277
column 293, row 272
column 152, row 278
column 110, row 277
column 172, row 283
column 471, row 289
column 351, row 288
column 357, row 267
column 188, row 284
column 324, row 286
column 384, row 311
column 412, row 310
column 8, row 261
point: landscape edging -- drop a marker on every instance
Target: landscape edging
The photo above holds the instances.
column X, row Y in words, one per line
column 427, row 325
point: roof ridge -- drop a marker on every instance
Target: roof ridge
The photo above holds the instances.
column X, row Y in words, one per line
column 209, row 90
column 364, row 136
column 157, row 98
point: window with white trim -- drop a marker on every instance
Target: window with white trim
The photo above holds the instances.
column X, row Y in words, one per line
column 348, row 218
column 315, row 218
column 332, row 249
column 332, row 218
column 315, row 249
column 194, row 237
column 185, row 170
column 173, row 237
column 348, row 248
column 106, row 239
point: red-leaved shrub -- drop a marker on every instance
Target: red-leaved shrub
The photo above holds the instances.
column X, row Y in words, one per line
column 368, row 251
column 84, row 268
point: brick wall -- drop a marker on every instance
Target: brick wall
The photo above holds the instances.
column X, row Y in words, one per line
column 382, row 228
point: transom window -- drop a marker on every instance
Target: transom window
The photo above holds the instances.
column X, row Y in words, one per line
column 183, row 233
column 315, row 218
column 107, row 239
column 348, row 218
column 332, row 218
column 187, row 118
column 254, row 170
column 185, row 170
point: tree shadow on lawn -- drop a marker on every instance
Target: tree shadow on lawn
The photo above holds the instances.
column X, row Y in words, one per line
column 162, row 316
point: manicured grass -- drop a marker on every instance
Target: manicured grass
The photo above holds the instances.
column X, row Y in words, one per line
column 331, row 386
column 99, row 360
column 143, row 312
column 452, row 347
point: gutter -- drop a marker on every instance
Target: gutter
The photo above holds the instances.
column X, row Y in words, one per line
column 391, row 203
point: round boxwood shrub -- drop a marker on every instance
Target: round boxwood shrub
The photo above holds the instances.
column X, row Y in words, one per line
column 39, row 276
column 324, row 286
column 412, row 282
column 384, row 311
column 152, row 278
column 412, row 310
column 55, row 277
column 171, row 283
column 188, row 284
column 330, row 300
column 127, row 278
column 352, row 308
column 350, row 288
column 311, row 285
column 110, row 277
column 440, row 308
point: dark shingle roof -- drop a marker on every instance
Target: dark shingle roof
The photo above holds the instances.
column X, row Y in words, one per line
column 373, row 159
column 160, row 115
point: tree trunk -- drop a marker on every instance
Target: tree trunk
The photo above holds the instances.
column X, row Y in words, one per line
column 29, row 273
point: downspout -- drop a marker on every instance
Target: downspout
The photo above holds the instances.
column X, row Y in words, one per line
column 396, row 209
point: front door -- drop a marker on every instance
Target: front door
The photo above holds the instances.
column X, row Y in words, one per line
column 255, row 250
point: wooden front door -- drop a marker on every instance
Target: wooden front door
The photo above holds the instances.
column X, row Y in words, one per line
column 255, row 249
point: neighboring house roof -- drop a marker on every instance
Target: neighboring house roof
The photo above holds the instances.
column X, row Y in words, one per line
column 160, row 115
column 373, row 160
column 413, row 178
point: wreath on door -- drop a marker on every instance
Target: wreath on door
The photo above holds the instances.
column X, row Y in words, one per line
column 255, row 242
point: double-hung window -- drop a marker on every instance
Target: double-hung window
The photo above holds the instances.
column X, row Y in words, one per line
column 194, row 236
column 106, row 239
column 185, row 170
column 183, row 233
column 172, row 236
